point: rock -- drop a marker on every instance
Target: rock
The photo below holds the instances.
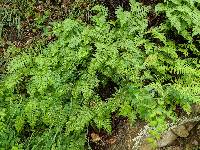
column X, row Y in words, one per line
column 167, row 139
column 190, row 125
column 146, row 146
column 181, row 131
column 196, row 109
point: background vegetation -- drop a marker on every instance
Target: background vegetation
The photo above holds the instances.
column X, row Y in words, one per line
column 85, row 70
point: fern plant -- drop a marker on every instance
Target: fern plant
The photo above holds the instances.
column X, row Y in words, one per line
column 183, row 15
column 49, row 99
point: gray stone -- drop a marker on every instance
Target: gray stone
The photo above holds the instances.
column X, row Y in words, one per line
column 190, row 125
column 146, row 146
column 167, row 139
column 181, row 131
column 196, row 109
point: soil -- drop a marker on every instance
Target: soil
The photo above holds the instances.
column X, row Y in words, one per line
column 29, row 30
column 119, row 139
column 151, row 2
column 106, row 91
column 112, row 5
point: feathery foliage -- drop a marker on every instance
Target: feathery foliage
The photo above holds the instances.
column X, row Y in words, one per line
column 48, row 100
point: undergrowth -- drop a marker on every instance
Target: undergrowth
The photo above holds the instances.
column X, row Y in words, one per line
column 18, row 15
column 48, row 99
column 12, row 12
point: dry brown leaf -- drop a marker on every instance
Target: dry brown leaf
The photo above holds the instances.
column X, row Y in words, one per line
column 95, row 137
